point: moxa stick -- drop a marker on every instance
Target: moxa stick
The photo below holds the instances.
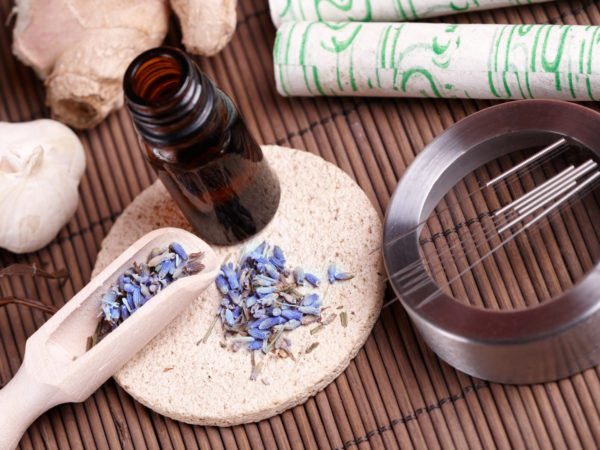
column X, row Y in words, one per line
column 378, row 10
column 438, row 60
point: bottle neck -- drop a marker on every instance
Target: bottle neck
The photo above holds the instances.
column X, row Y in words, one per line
column 169, row 99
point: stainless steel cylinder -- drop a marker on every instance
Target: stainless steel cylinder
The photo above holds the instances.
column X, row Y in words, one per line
column 552, row 340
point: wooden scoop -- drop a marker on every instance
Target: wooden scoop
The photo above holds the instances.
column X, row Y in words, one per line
column 56, row 367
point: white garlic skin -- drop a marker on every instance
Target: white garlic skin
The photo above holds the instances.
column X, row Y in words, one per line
column 41, row 163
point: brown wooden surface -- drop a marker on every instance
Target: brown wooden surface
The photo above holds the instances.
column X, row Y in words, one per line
column 396, row 393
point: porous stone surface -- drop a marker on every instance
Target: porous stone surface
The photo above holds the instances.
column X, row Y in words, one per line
column 323, row 217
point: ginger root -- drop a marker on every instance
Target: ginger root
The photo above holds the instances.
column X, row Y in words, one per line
column 206, row 25
column 81, row 49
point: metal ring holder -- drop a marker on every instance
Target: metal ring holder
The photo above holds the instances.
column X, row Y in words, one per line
column 552, row 340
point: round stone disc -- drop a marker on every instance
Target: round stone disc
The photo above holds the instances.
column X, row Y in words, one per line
column 323, row 217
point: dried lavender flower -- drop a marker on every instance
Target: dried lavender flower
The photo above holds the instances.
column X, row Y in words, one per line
column 342, row 276
column 256, row 344
column 142, row 281
column 299, row 276
column 179, row 250
column 259, row 301
column 312, row 279
column 333, row 275
column 291, row 314
column 310, row 310
column 222, row 284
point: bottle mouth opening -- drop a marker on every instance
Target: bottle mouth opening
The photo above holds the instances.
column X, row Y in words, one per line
column 156, row 77
column 168, row 97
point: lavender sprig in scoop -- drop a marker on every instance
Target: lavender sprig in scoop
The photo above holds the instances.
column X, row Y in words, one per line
column 141, row 282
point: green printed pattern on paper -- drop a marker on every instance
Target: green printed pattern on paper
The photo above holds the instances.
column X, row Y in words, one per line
column 377, row 10
column 438, row 60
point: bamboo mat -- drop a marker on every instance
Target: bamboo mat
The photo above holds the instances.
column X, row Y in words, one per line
column 396, row 393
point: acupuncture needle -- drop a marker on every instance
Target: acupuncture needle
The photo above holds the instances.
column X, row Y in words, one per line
column 549, row 192
column 532, row 162
column 423, row 281
column 416, row 281
column 509, row 238
column 553, row 188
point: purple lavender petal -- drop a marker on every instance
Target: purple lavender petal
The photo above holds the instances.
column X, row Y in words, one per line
column 256, row 344
column 331, row 273
column 291, row 314
column 312, row 279
column 177, row 248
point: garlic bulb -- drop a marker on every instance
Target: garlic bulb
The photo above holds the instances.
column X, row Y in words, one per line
column 41, row 163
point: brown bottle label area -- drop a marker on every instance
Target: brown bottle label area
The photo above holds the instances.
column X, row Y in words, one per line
column 228, row 193
column 227, row 200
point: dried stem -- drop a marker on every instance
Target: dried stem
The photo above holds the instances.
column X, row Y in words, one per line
column 28, row 302
column 33, row 270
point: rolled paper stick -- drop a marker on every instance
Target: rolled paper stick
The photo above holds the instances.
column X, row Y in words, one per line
column 438, row 60
column 377, row 10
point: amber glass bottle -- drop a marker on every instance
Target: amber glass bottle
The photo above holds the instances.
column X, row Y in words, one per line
column 195, row 139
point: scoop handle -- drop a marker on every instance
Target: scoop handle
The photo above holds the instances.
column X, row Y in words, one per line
column 22, row 401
